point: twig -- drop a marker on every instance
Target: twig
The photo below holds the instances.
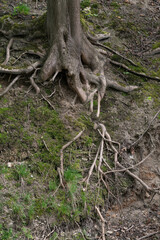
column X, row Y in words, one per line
column 39, row 54
column 116, row 162
column 8, row 51
column 80, row 230
column 148, row 235
column 133, row 144
column 49, row 234
column 137, row 178
column 10, row 85
column 92, row 167
column 64, row 147
column 47, row 101
column 131, row 71
column 45, row 144
column 103, row 222
column 129, row 168
column 113, row 51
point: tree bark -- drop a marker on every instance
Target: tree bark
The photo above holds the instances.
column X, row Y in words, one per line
column 71, row 51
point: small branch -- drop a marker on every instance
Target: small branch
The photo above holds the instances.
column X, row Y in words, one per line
column 8, row 51
column 45, row 144
column 103, row 222
column 117, row 163
column 92, row 167
column 137, row 178
column 114, row 52
column 129, row 168
column 50, row 104
column 39, row 54
column 49, row 234
column 81, row 230
column 10, row 85
column 148, row 235
column 64, row 147
column 137, row 141
column 131, row 71
column 152, row 52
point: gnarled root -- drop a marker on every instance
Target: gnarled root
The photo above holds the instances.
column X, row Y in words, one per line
column 84, row 69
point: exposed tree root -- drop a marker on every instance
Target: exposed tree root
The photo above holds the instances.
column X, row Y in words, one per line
column 138, row 140
column 118, row 167
column 82, row 70
column 113, row 51
column 8, row 51
column 131, row 71
column 152, row 52
column 35, row 86
column 17, row 71
column 64, row 147
column 148, row 235
column 50, row 104
column 10, row 85
column 132, row 167
column 39, row 54
column 103, row 222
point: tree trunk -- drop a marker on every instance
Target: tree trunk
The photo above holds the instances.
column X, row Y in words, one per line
column 71, row 52
column 68, row 45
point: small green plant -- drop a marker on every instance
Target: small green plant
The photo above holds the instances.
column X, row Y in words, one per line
column 88, row 12
column 85, row 3
column 21, row 9
column 5, row 234
column 149, row 98
column 21, row 171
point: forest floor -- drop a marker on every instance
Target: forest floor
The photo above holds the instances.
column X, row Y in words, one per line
column 33, row 130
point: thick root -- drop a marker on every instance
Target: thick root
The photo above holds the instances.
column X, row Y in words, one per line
column 84, row 69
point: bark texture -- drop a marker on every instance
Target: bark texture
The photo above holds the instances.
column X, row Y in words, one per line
column 71, row 52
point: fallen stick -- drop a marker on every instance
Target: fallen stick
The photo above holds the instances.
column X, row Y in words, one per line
column 103, row 222
column 113, row 51
column 148, row 235
column 49, row 234
column 129, row 168
column 131, row 71
column 92, row 167
column 137, row 178
column 10, row 85
column 133, row 144
column 39, row 54
column 64, row 147
column 50, row 104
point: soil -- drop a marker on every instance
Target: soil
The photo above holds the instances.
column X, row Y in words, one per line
column 135, row 214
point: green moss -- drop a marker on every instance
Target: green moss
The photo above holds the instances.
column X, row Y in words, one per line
column 115, row 5
column 156, row 45
column 39, row 23
column 84, row 23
